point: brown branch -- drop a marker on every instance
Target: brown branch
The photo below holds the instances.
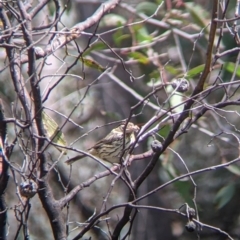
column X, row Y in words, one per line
column 62, row 202
column 230, row 51
column 4, row 176
column 51, row 207
column 128, row 209
column 41, row 4
column 75, row 32
column 124, row 220
column 212, row 33
column 85, row 184
column 204, row 109
column 130, row 204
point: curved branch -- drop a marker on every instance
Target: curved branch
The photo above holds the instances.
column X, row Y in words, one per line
column 75, row 32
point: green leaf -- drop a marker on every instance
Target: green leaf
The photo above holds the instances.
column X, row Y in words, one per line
column 154, row 75
column 139, row 56
column 195, row 71
column 234, row 169
column 172, row 70
column 199, row 15
column 148, row 8
column 51, row 8
column 92, row 64
column 112, row 20
column 94, row 47
column 192, row 72
column 53, row 132
column 154, row 80
column 143, row 36
column 182, row 186
column 184, row 189
column 230, row 67
column 118, row 37
column 164, row 131
column 175, row 100
column 224, row 195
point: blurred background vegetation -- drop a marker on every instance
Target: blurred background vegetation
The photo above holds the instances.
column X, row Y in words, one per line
column 98, row 89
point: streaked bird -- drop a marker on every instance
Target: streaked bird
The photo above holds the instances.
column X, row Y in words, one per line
column 111, row 147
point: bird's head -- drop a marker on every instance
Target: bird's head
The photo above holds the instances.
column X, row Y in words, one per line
column 130, row 128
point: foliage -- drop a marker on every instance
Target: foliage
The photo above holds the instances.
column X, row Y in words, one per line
column 72, row 72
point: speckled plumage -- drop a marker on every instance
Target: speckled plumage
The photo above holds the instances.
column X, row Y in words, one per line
column 111, row 147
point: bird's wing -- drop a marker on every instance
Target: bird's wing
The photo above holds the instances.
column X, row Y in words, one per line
column 108, row 139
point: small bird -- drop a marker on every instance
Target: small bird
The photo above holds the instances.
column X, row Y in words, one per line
column 111, row 147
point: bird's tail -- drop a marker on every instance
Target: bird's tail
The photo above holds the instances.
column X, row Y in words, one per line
column 74, row 159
